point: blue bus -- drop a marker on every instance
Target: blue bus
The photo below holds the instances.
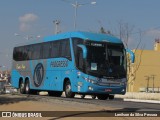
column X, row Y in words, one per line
column 82, row 63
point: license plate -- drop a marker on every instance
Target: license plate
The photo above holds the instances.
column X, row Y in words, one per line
column 108, row 90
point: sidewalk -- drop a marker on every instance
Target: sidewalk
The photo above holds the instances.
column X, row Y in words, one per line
column 140, row 97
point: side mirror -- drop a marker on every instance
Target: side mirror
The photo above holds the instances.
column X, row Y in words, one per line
column 84, row 49
column 132, row 56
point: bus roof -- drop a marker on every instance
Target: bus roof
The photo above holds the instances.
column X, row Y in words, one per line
column 85, row 36
column 78, row 34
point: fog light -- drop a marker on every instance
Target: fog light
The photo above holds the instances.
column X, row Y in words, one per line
column 90, row 88
column 123, row 90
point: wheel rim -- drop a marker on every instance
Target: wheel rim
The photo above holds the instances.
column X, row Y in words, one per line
column 82, row 96
column 21, row 87
column 93, row 96
column 27, row 87
column 68, row 89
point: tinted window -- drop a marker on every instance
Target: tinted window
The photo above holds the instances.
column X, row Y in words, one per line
column 55, row 49
column 36, row 54
column 30, row 50
column 61, row 49
column 25, row 53
column 46, row 50
column 65, row 49
column 76, row 41
column 18, row 53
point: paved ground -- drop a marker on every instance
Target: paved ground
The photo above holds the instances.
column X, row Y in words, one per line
column 27, row 103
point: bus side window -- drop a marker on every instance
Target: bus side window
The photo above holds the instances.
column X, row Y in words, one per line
column 46, row 50
column 55, row 49
column 36, row 51
column 80, row 58
column 30, row 52
column 15, row 54
column 25, row 53
column 65, row 49
column 19, row 53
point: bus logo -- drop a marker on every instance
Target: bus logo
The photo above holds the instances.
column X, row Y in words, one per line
column 38, row 74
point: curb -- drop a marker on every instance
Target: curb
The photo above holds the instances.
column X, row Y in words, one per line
column 138, row 100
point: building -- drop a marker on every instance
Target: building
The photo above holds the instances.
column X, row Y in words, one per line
column 144, row 73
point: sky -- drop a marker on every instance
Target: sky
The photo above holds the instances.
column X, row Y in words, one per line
column 34, row 18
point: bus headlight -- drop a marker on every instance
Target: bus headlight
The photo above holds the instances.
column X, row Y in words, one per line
column 90, row 88
column 122, row 83
column 90, row 80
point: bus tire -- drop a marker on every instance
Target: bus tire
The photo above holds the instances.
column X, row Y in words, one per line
column 55, row 93
column 68, row 92
column 21, row 87
column 27, row 87
column 58, row 94
column 111, row 97
column 102, row 97
column 33, row 92
column 93, row 96
column 82, row 96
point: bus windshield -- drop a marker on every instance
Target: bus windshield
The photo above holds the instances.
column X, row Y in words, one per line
column 106, row 60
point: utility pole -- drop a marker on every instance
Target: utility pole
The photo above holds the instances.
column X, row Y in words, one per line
column 153, row 77
column 76, row 5
column 147, row 78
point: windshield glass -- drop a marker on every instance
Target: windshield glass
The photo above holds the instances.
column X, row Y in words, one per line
column 106, row 60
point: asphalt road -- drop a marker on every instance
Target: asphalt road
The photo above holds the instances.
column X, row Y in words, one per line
column 76, row 106
column 116, row 103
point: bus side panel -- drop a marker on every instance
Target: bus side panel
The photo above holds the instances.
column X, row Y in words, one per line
column 38, row 74
column 15, row 78
column 71, row 75
column 52, row 81
column 59, row 70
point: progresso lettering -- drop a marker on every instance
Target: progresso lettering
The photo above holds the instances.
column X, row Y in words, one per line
column 59, row 63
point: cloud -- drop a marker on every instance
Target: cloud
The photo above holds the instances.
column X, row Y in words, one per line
column 30, row 17
column 24, row 27
column 26, row 21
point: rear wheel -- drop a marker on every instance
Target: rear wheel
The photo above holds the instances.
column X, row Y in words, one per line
column 21, row 87
column 82, row 96
column 33, row 92
column 27, row 87
column 68, row 91
column 102, row 97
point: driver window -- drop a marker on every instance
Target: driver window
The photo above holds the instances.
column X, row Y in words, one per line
column 80, row 58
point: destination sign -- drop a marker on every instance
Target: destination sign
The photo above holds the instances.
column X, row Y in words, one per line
column 95, row 44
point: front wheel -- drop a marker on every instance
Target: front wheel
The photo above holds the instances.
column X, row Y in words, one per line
column 111, row 97
column 55, row 93
column 93, row 96
column 102, row 97
column 68, row 90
